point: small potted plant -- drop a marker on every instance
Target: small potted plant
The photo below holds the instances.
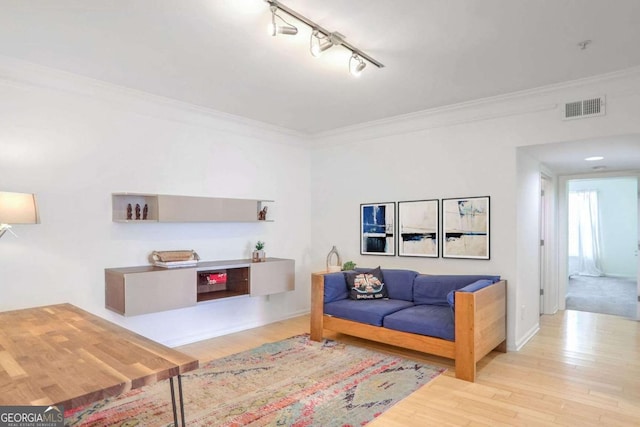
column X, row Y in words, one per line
column 349, row 265
column 258, row 255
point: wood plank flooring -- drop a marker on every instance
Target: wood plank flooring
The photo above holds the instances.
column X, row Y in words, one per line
column 581, row 369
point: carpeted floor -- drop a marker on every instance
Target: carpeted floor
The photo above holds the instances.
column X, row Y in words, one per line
column 291, row 382
column 606, row 295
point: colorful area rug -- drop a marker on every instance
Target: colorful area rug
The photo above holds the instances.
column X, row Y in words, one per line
column 295, row 382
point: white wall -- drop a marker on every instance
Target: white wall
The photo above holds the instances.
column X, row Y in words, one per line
column 461, row 151
column 73, row 142
column 528, row 252
column 618, row 213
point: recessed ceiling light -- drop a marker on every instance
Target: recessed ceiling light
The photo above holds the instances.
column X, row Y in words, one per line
column 593, row 158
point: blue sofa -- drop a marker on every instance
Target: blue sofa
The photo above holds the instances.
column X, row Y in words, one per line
column 461, row 317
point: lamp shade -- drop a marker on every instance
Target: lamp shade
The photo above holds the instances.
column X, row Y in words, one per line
column 18, row 208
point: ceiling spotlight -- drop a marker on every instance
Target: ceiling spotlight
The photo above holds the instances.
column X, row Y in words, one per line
column 320, row 42
column 321, row 38
column 356, row 65
column 593, row 158
column 275, row 29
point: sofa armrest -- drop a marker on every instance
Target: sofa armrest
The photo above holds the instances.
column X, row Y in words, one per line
column 481, row 326
column 317, row 306
column 472, row 287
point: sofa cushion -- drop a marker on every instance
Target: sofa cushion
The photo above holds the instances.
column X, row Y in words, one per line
column 472, row 287
column 433, row 290
column 335, row 287
column 368, row 312
column 367, row 285
column 431, row 320
column 399, row 282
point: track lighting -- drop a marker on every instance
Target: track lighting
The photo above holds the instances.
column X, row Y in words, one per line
column 356, row 65
column 321, row 38
column 275, row 29
column 320, row 42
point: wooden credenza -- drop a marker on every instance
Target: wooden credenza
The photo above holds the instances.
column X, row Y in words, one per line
column 131, row 291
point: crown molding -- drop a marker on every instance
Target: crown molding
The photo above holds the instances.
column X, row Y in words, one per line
column 19, row 73
column 629, row 173
column 22, row 74
column 510, row 104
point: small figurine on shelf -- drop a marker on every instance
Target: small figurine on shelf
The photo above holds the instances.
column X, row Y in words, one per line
column 129, row 211
column 137, row 211
column 145, row 211
column 262, row 215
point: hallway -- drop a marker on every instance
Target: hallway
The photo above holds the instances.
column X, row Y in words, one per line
column 606, row 295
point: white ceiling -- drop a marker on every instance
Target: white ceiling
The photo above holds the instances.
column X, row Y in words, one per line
column 217, row 53
column 621, row 153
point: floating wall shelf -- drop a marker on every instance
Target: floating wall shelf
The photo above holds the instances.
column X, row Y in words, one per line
column 168, row 208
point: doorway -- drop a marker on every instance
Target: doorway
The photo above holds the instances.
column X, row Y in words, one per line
column 602, row 218
column 547, row 195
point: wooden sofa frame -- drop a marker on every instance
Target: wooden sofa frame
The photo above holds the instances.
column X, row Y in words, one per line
column 480, row 327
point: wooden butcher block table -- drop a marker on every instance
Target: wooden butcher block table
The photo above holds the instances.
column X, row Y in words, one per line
column 62, row 355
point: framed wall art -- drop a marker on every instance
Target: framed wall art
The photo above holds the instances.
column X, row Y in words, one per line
column 377, row 229
column 465, row 228
column 418, row 228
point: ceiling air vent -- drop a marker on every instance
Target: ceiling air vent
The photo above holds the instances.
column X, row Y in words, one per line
column 585, row 108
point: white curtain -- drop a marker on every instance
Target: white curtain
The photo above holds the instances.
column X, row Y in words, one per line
column 584, row 234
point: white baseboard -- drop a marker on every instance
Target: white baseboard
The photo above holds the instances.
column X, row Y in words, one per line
column 525, row 339
column 190, row 339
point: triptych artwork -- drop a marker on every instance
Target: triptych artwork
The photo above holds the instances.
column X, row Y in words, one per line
column 464, row 232
column 377, row 225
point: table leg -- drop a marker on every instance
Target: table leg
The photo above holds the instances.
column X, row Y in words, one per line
column 173, row 402
column 181, row 399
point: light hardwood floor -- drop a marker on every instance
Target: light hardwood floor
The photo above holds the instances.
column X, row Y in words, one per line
column 581, row 369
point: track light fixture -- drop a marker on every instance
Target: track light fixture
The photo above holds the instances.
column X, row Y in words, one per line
column 320, row 42
column 275, row 29
column 356, row 65
column 321, row 38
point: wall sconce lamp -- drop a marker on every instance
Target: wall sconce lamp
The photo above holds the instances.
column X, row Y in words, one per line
column 17, row 208
column 321, row 38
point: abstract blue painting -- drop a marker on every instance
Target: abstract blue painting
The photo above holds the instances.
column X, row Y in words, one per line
column 418, row 228
column 377, row 226
column 466, row 227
